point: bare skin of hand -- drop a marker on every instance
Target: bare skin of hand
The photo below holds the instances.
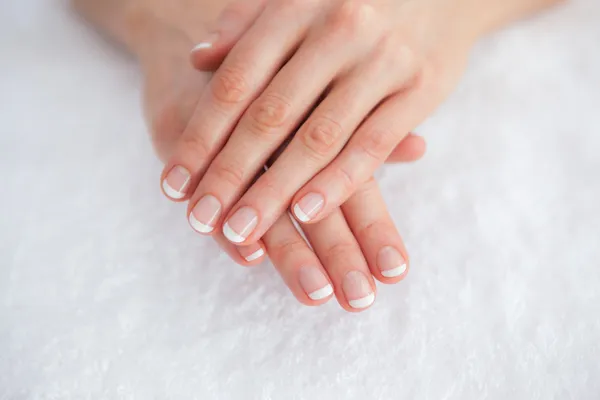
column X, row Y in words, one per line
column 349, row 79
column 351, row 244
column 349, row 249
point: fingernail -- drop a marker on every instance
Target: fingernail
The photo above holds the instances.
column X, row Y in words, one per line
column 358, row 290
column 251, row 253
column 205, row 213
column 240, row 225
column 314, row 283
column 207, row 43
column 176, row 182
column 390, row 262
column 308, row 206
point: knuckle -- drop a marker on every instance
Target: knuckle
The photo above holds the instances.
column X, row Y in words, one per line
column 230, row 85
column 320, row 137
column 405, row 55
column 372, row 230
column 353, row 17
column 341, row 251
column 374, row 143
column 289, row 246
column 376, row 230
column 272, row 192
column 346, row 179
column 268, row 112
column 367, row 192
column 230, row 173
column 196, row 145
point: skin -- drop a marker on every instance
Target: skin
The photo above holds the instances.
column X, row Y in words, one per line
column 172, row 90
column 352, row 229
column 384, row 66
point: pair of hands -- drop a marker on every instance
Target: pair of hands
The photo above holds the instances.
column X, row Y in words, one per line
column 352, row 78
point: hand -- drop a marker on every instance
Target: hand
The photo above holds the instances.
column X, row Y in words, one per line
column 172, row 92
column 360, row 74
column 356, row 244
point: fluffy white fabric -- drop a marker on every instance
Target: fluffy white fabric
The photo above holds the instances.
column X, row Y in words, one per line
column 107, row 294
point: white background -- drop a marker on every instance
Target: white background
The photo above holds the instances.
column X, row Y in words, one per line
column 105, row 293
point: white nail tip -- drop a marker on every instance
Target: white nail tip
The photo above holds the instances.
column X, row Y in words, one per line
column 392, row 273
column 232, row 235
column 202, row 46
column 199, row 226
column 172, row 193
column 362, row 303
column 255, row 256
column 321, row 293
column 300, row 214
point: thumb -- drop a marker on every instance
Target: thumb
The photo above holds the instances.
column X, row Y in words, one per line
column 233, row 22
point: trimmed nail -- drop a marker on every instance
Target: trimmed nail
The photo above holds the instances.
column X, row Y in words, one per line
column 390, row 262
column 240, row 225
column 176, row 182
column 308, row 206
column 358, row 290
column 205, row 213
column 251, row 253
column 206, row 44
column 314, row 283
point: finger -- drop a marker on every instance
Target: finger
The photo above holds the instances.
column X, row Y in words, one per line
column 297, row 264
column 411, row 149
column 315, row 145
column 372, row 225
column 247, row 255
column 233, row 22
column 244, row 73
column 343, row 260
column 368, row 148
column 266, row 124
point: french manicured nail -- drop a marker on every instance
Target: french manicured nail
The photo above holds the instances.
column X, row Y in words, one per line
column 240, row 225
column 207, row 43
column 314, row 283
column 309, row 206
column 358, row 290
column 390, row 262
column 251, row 253
column 176, row 182
column 205, row 213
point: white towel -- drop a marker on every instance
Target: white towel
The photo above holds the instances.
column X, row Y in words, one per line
column 105, row 292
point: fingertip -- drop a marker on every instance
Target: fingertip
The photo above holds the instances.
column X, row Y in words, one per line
column 308, row 209
column 419, row 146
column 208, row 54
column 251, row 255
column 411, row 149
column 202, row 57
